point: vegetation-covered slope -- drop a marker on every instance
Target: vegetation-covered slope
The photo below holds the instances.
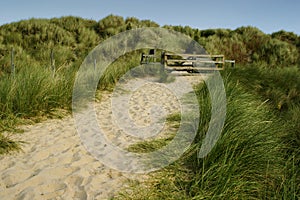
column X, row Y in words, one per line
column 72, row 38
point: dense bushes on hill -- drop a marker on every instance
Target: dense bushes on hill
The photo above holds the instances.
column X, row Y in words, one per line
column 72, row 38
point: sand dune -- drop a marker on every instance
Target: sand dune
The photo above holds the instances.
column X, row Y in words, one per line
column 55, row 165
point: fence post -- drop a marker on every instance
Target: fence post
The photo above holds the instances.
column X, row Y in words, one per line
column 52, row 62
column 94, row 72
column 13, row 70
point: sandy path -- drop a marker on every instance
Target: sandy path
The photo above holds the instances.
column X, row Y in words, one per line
column 55, row 165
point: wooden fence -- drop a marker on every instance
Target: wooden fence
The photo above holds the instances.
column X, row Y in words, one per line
column 194, row 62
column 191, row 63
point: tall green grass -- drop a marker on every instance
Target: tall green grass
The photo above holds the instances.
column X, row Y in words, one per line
column 246, row 161
column 33, row 93
column 280, row 88
column 36, row 92
column 249, row 161
column 129, row 64
column 117, row 69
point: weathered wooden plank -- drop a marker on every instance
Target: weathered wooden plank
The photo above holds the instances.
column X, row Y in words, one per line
column 195, row 55
column 185, row 68
column 194, row 61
